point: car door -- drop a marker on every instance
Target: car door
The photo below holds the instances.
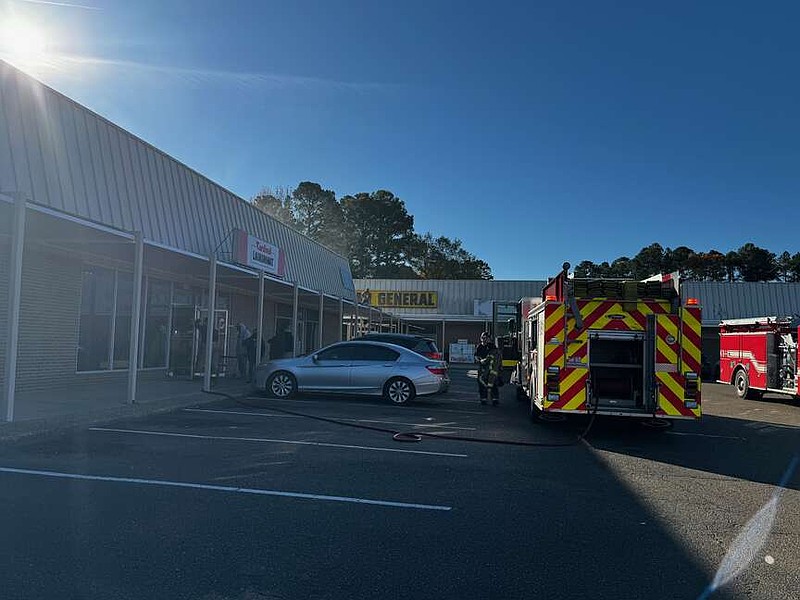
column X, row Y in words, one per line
column 371, row 366
column 326, row 370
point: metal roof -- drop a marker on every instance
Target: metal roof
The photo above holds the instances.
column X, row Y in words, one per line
column 61, row 155
column 456, row 296
column 740, row 300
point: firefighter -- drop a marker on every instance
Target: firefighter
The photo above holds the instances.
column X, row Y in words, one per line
column 488, row 358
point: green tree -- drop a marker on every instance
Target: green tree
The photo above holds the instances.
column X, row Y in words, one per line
column 277, row 204
column 757, row 264
column 621, row 267
column 319, row 215
column 649, row 261
column 794, row 268
column 706, row 266
column 443, row 258
column 732, row 265
column 380, row 234
column 677, row 260
column 585, row 268
column 784, row 263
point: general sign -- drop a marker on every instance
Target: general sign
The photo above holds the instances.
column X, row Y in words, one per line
column 387, row 299
column 258, row 254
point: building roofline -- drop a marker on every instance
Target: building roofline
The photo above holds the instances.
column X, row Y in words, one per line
column 5, row 63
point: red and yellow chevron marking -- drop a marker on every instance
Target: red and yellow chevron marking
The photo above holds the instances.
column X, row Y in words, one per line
column 670, row 396
column 691, row 341
column 667, row 345
column 691, row 344
column 554, row 335
column 572, row 389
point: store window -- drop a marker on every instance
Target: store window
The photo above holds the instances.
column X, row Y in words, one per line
column 97, row 308
column 122, row 320
column 156, row 329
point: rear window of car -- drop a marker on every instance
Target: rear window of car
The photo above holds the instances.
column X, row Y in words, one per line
column 418, row 345
column 372, row 352
column 425, row 346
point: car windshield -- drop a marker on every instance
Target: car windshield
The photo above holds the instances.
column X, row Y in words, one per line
column 367, row 299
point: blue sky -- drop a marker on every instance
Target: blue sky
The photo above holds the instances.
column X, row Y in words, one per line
column 535, row 132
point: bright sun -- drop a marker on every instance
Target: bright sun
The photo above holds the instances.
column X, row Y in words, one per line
column 21, row 40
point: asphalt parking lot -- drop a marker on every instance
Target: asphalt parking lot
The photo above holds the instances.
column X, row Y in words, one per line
column 237, row 500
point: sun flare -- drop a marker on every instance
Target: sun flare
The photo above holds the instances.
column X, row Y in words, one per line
column 21, row 40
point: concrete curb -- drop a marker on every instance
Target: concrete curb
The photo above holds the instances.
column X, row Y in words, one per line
column 30, row 428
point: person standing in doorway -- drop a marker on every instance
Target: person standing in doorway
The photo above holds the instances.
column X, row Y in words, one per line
column 243, row 334
column 488, row 358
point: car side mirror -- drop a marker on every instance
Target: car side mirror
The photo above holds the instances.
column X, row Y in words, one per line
column 315, row 357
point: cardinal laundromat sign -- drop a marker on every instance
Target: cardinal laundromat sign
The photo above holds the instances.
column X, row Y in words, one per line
column 258, row 254
column 385, row 299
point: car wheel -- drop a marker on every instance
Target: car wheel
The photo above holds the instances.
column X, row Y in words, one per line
column 281, row 385
column 399, row 390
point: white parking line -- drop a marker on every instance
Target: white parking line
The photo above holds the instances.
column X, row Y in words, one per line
column 708, row 435
column 242, row 412
column 224, row 488
column 197, row 436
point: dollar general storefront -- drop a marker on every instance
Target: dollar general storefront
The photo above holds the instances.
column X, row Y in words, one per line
column 448, row 311
column 113, row 255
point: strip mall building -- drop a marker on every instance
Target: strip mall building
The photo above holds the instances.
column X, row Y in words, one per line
column 109, row 249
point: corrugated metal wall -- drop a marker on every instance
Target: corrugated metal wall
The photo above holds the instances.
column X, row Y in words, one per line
column 739, row 300
column 456, row 296
column 61, row 155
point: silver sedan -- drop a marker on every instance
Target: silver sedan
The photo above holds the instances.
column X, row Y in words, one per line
column 368, row 368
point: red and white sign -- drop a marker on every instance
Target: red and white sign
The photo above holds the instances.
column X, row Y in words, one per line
column 258, row 254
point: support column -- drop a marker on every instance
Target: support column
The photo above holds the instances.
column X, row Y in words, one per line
column 444, row 337
column 210, row 320
column 321, row 319
column 14, row 295
column 357, row 326
column 295, row 308
column 341, row 319
column 136, row 315
column 260, row 325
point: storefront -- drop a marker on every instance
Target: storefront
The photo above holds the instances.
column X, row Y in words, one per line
column 449, row 311
column 112, row 254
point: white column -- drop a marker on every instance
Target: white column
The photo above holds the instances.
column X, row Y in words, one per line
column 260, row 325
column 14, row 295
column 212, row 305
column 444, row 337
column 136, row 314
column 295, row 308
column 357, row 326
column 341, row 319
column 321, row 319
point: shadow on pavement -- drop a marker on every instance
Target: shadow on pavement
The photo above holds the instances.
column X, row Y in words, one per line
column 733, row 447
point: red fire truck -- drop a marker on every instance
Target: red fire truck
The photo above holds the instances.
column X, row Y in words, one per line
column 611, row 346
column 759, row 355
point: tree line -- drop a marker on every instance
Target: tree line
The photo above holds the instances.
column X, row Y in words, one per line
column 748, row 263
column 373, row 230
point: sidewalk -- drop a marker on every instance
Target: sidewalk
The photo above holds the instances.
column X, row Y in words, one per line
column 45, row 411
